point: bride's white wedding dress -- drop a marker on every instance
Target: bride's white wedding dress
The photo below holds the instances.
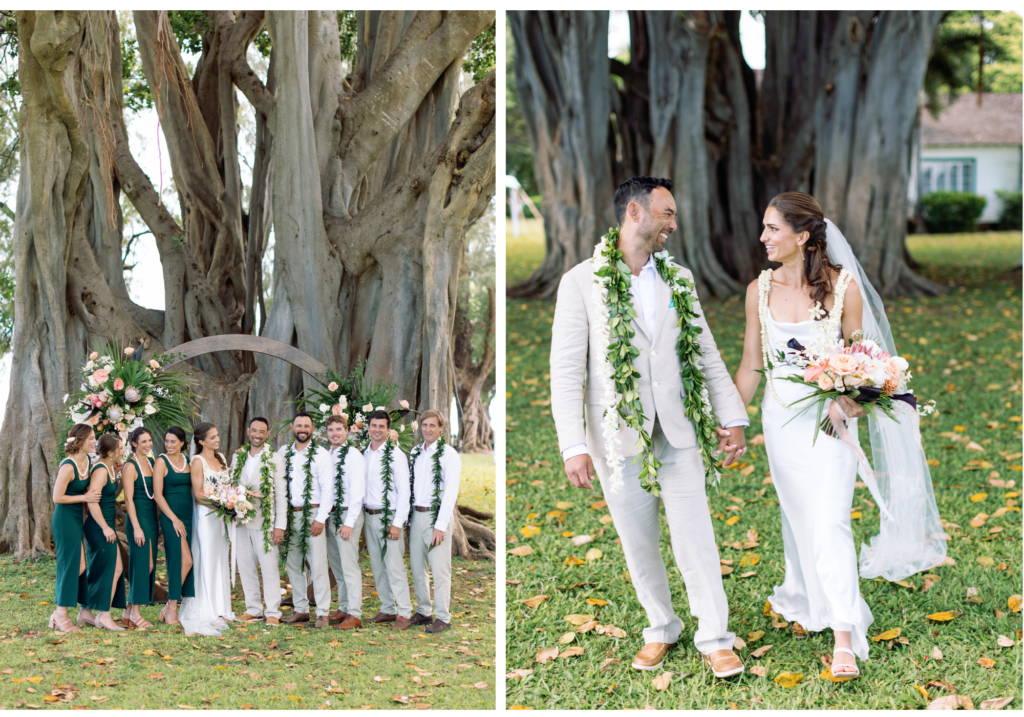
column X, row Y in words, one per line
column 815, row 487
column 209, row 610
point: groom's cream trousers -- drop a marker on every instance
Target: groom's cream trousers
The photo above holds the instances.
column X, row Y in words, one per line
column 636, row 516
column 250, row 551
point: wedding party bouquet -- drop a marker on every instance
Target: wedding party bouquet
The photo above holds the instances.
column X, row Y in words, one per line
column 230, row 502
column 861, row 370
column 119, row 393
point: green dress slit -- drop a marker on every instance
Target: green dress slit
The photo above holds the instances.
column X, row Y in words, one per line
column 178, row 494
column 141, row 580
column 68, row 533
column 101, row 556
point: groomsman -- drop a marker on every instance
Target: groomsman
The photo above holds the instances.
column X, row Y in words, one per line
column 300, row 454
column 386, row 553
column 250, row 536
column 430, row 535
column 346, row 523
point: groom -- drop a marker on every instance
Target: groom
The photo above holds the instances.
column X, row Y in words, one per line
column 261, row 468
column 646, row 213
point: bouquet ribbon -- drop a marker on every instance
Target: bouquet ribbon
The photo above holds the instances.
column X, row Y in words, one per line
column 838, row 418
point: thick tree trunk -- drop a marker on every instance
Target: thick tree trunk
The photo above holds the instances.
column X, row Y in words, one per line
column 370, row 187
column 561, row 61
column 471, row 379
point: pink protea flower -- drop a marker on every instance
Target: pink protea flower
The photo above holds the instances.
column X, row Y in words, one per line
column 131, row 394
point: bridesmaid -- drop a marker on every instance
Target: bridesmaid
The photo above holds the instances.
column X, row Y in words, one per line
column 104, row 575
column 70, row 492
column 172, row 491
column 141, row 526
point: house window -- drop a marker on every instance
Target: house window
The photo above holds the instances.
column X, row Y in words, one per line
column 956, row 175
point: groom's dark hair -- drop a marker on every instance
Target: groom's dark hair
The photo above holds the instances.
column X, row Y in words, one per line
column 637, row 189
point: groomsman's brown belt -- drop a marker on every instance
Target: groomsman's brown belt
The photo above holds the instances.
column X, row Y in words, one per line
column 314, row 505
column 420, row 509
column 373, row 511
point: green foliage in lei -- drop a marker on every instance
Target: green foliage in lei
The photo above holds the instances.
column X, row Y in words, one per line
column 387, row 474
column 622, row 353
column 435, row 501
column 307, row 497
column 339, row 482
column 266, row 488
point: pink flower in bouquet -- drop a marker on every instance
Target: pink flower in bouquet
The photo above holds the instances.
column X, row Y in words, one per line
column 842, row 364
column 95, row 400
column 393, row 435
column 208, row 491
column 118, row 383
column 893, row 368
column 404, row 404
column 812, row 372
column 129, row 351
column 100, row 376
column 336, row 409
column 93, row 356
column 825, row 382
column 93, row 420
column 131, row 394
column 154, row 364
column 332, row 386
column 230, row 505
column 415, row 425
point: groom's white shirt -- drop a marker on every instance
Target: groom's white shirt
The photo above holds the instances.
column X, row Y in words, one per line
column 575, row 391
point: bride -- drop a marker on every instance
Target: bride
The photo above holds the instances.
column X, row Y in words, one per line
column 208, row 612
column 815, row 479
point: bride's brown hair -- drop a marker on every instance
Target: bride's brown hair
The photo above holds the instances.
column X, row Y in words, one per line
column 802, row 213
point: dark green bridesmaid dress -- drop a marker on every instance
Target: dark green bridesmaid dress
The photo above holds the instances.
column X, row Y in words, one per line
column 140, row 580
column 101, row 556
column 68, row 532
column 178, row 494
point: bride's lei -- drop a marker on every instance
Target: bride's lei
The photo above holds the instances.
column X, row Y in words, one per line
column 620, row 387
column 266, row 487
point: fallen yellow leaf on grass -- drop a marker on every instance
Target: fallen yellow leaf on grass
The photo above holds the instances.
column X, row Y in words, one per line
column 605, row 519
column 996, row 703
column 978, row 497
column 557, row 514
column 548, row 653
column 522, row 551
column 755, row 635
column 888, row 635
column 738, row 643
column 942, row 616
column 986, row 561
column 788, row 679
column 520, row 707
column 573, row 560
column 929, row 581
column 578, row 619
column 593, row 554
column 904, row 584
column 1014, row 603
column 750, row 560
column 933, row 462
column 855, row 515
column 587, row 626
column 567, row 638
column 596, row 601
column 599, row 505
column 570, row 652
column 529, row 531
column 563, row 505
column 726, row 570
column 759, row 670
column 827, row 675
column 535, row 600
column 733, row 520
column 923, row 692
column 567, row 533
column 987, row 662
column 662, row 681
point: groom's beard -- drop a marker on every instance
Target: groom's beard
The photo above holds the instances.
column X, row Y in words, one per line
column 650, row 235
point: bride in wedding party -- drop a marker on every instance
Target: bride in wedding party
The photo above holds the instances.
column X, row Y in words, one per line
column 208, row 612
column 813, row 472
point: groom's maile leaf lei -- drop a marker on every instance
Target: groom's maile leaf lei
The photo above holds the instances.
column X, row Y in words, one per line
column 266, row 488
column 621, row 387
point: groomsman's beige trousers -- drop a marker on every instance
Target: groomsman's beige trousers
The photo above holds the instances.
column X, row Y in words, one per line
column 440, row 558
column 250, row 551
column 343, row 555
column 317, row 557
column 635, row 513
column 388, row 569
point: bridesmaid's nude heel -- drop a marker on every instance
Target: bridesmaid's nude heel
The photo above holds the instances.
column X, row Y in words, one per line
column 64, row 625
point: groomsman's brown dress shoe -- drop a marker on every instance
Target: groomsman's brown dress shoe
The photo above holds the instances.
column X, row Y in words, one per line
column 296, row 617
column 384, row 617
column 418, row 618
column 338, row 615
column 652, row 655
column 273, row 621
column 350, row 623
column 438, row 626
column 723, row 663
column 322, row 621
column 246, row 617
column 401, row 623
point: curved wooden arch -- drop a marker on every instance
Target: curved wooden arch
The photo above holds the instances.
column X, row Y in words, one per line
column 245, row 342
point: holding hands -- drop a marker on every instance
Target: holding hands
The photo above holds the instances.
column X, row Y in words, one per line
column 732, row 442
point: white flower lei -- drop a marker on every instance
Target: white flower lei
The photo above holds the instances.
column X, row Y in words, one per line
column 610, row 277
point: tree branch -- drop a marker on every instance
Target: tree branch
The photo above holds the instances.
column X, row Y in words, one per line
column 243, row 32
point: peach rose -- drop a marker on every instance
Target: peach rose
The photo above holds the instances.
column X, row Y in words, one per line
column 208, row 491
column 336, row 410
column 332, row 386
column 394, row 435
column 100, row 376
column 825, row 382
column 892, row 368
column 129, row 351
column 154, row 364
column 812, row 372
column 93, row 356
column 415, row 425
column 404, row 404
column 841, row 364
column 118, row 384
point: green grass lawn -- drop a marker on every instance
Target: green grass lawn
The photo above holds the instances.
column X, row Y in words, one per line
column 965, row 350
column 254, row 666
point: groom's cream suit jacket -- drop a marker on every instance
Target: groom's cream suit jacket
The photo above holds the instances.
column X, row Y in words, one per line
column 280, row 510
column 576, row 395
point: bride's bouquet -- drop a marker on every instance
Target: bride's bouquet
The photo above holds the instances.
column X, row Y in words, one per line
column 229, row 502
column 861, row 370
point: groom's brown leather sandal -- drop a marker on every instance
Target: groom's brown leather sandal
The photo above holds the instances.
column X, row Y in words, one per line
column 723, row 663
column 652, row 655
